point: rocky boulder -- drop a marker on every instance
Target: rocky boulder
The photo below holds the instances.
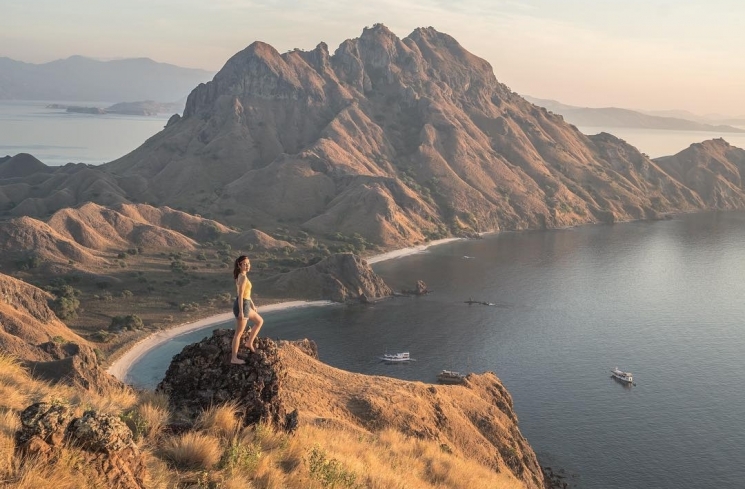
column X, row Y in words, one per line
column 105, row 442
column 202, row 376
column 419, row 289
column 341, row 277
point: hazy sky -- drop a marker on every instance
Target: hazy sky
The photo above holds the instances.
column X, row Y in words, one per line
column 645, row 54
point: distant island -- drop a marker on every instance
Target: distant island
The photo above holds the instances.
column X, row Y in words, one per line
column 77, row 79
column 145, row 108
column 616, row 117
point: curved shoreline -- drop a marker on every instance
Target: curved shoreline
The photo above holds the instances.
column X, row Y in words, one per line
column 121, row 366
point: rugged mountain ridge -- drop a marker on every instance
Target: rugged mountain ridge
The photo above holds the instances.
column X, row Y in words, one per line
column 397, row 140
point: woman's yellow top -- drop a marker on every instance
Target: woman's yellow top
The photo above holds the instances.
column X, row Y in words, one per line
column 247, row 290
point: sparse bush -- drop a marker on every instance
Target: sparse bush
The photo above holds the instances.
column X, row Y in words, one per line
column 126, row 294
column 329, row 472
column 190, row 307
column 101, row 336
column 66, row 304
column 241, row 456
column 131, row 322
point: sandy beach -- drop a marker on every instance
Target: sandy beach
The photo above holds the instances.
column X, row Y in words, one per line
column 121, row 366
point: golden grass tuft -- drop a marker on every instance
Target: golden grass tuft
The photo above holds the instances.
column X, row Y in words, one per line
column 68, row 471
column 192, row 450
column 155, row 418
column 157, row 399
column 221, row 421
column 111, row 402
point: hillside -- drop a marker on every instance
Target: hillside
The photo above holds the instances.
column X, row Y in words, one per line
column 26, row 321
column 617, row 117
column 713, row 169
column 397, row 140
column 476, row 420
column 78, row 78
column 387, row 141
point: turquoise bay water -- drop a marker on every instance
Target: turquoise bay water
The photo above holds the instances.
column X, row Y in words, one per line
column 661, row 299
column 56, row 137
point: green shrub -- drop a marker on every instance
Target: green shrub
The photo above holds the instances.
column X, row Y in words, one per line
column 130, row 323
column 330, row 473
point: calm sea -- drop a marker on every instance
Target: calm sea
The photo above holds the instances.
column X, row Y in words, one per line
column 661, row 299
column 664, row 300
column 56, row 137
column 659, row 142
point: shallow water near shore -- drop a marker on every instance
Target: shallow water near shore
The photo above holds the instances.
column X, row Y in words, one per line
column 661, row 299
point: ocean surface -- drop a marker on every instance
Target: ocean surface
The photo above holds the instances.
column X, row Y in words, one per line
column 659, row 142
column 664, row 300
column 56, row 137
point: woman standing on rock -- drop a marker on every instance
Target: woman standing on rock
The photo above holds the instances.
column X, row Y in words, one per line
column 244, row 309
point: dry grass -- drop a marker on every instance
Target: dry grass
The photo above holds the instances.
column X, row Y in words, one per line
column 112, row 402
column 317, row 456
column 390, row 460
column 221, row 421
column 68, row 472
column 192, row 450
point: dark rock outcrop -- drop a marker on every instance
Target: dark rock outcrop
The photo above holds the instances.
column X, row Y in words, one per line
column 105, row 442
column 202, row 376
column 340, row 278
column 419, row 289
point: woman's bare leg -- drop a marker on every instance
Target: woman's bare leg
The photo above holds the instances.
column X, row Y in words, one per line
column 240, row 326
column 256, row 323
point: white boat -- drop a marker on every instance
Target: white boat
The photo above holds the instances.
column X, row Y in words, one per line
column 450, row 377
column 396, row 357
column 621, row 375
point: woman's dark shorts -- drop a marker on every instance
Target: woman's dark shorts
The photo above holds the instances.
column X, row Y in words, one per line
column 246, row 307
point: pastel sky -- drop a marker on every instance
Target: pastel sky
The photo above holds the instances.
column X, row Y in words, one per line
column 642, row 54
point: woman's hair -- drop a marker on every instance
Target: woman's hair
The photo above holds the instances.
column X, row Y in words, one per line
column 237, row 267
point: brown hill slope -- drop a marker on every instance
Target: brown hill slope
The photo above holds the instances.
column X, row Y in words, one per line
column 24, row 237
column 38, row 190
column 395, row 139
column 475, row 419
column 26, row 321
column 123, row 226
column 713, row 169
column 21, row 165
column 31, row 332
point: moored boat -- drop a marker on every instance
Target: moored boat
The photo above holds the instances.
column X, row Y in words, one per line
column 396, row 357
column 450, row 377
column 622, row 376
